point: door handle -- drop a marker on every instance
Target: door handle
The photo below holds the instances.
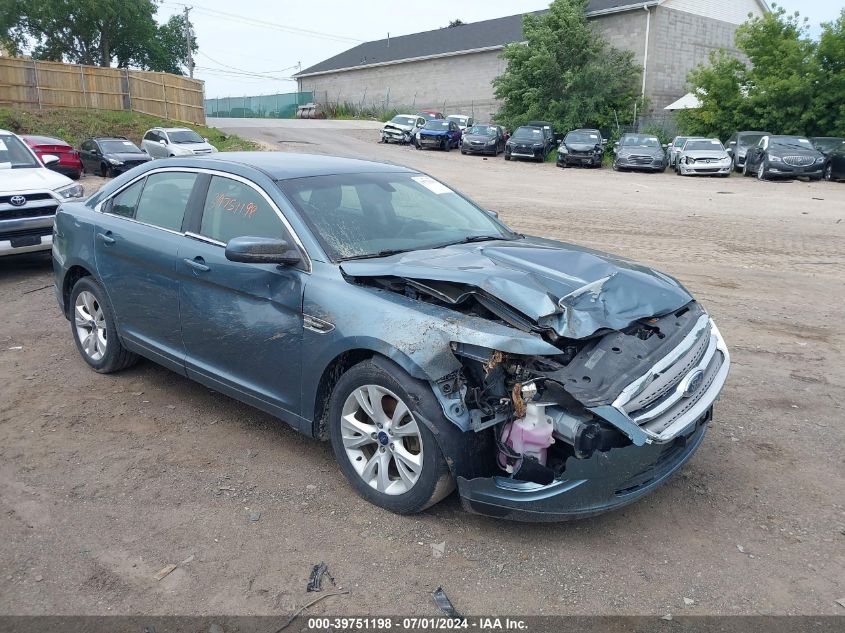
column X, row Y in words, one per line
column 105, row 238
column 198, row 264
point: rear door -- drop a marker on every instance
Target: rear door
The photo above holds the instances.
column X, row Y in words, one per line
column 241, row 323
column 137, row 239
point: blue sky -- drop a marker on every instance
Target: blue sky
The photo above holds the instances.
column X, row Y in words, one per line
column 250, row 48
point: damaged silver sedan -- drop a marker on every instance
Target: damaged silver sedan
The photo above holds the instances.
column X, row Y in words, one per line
column 374, row 306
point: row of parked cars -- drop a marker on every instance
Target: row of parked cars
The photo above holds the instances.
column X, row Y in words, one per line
column 758, row 154
column 37, row 174
column 109, row 156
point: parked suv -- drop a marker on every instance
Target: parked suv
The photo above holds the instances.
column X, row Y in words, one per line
column 533, row 140
column 162, row 142
column 29, row 196
column 581, row 147
column 402, row 128
column 739, row 144
column 110, row 156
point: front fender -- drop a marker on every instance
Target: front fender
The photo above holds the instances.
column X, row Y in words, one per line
column 413, row 333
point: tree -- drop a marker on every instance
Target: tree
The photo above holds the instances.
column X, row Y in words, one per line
column 791, row 84
column 455, row 23
column 566, row 73
column 94, row 32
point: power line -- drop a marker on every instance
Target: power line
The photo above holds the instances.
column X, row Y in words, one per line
column 243, row 70
column 270, row 25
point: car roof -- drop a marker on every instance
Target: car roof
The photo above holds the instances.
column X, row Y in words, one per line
column 44, row 140
column 287, row 165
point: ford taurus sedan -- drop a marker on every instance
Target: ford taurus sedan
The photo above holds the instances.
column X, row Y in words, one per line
column 375, row 307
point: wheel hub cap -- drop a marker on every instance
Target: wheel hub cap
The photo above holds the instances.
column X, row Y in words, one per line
column 381, row 439
column 90, row 322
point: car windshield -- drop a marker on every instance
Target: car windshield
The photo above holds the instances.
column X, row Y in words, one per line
column 184, row 136
column 679, row 142
column 528, row 134
column 638, row 140
column 376, row 214
column 482, row 130
column 828, row 144
column 14, row 154
column 791, row 142
column 693, row 146
column 437, row 124
column 404, row 120
column 119, row 147
column 590, row 138
column 749, row 140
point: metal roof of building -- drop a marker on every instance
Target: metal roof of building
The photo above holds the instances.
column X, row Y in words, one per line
column 476, row 36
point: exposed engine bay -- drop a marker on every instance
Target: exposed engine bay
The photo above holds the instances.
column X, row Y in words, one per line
column 544, row 411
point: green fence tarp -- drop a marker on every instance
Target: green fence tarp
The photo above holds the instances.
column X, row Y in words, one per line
column 278, row 106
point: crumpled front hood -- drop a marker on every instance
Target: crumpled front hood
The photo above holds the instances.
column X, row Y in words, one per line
column 127, row 156
column 580, row 147
column 572, row 290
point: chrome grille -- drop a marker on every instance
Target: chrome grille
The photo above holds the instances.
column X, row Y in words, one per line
column 662, row 384
column 640, row 160
column 799, row 161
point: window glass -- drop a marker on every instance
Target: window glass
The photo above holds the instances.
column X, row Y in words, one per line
column 165, row 199
column 364, row 214
column 124, row 203
column 234, row 209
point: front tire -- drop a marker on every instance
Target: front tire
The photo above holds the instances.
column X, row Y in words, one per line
column 390, row 457
column 93, row 326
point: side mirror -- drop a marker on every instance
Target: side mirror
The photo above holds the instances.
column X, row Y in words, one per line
column 495, row 214
column 205, row 139
column 49, row 159
column 665, row 145
column 732, row 143
column 162, row 142
column 261, row 250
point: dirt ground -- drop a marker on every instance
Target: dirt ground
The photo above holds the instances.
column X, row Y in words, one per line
column 105, row 480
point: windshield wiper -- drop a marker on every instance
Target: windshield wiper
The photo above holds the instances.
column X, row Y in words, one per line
column 481, row 238
column 384, row 253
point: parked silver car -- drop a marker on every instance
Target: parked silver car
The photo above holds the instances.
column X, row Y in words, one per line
column 704, row 157
column 161, row 142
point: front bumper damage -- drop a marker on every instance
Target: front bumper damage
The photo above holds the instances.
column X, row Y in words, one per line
column 664, row 414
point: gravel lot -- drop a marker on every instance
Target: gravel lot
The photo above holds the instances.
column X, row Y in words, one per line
column 105, row 480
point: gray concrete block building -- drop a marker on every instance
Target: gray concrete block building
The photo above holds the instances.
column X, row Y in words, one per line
column 452, row 69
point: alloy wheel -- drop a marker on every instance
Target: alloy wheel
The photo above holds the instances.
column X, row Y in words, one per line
column 828, row 172
column 381, row 439
column 91, row 327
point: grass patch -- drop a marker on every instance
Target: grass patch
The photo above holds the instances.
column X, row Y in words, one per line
column 76, row 125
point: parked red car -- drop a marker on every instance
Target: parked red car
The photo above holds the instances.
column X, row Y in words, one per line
column 69, row 162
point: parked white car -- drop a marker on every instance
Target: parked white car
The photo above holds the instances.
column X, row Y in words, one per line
column 704, row 157
column 402, row 128
column 163, row 142
column 29, row 196
column 462, row 120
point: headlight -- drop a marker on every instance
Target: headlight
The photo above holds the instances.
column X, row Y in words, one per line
column 776, row 159
column 114, row 161
column 213, row 149
column 70, row 191
column 538, row 146
column 492, row 141
column 820, row 159
column 563, row 150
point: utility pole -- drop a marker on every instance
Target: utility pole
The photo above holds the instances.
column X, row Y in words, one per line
column 188, row 38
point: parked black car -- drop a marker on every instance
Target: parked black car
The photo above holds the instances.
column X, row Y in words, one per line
column 784, row 157
column 110, row 156
column 581, row 147
column 739, row 144
column 641, row 152
column 484, row 138
column 533, row 140
column 834, row 168
column 826, row 144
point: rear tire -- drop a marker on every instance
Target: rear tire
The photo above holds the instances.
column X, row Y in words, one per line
column 94, row 332
column 389, row 456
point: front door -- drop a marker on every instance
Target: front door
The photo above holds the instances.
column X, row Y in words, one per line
column 137, row 239
column 241, row 323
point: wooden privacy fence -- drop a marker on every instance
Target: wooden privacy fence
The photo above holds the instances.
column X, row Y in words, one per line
column 26, row 82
